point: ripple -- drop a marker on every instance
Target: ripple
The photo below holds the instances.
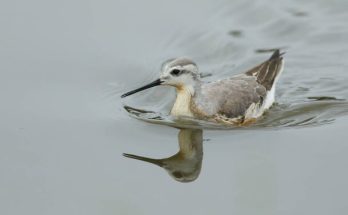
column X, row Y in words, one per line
column 324, row 110
column 312, row 89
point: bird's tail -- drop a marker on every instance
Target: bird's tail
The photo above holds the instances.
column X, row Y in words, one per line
column 268, row 71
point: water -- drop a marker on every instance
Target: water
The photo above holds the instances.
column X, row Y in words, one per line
column 64, row 65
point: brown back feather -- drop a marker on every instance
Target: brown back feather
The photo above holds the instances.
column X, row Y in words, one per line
column 267, row 71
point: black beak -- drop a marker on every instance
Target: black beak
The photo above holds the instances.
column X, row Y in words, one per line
column 152, row 84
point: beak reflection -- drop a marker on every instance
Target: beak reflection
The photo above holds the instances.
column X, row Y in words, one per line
column 157, row 162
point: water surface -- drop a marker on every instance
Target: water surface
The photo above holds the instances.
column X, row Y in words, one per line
column 64, row 65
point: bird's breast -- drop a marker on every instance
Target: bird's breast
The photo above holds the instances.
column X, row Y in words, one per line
column 182, row 104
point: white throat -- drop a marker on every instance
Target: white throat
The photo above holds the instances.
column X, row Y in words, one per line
column 183, row 101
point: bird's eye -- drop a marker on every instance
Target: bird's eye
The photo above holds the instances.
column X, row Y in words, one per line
column 175, row 72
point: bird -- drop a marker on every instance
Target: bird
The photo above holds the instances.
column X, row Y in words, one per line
column 185, row 165
column 239, row 100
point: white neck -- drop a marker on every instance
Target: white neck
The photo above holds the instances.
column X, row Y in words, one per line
column 183, row 101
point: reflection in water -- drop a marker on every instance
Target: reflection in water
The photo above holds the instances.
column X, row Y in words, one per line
column 185, row 165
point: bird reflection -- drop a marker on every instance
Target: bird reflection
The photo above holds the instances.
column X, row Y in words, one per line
column 185, row 165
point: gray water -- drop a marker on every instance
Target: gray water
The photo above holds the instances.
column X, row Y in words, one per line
column 63, row 128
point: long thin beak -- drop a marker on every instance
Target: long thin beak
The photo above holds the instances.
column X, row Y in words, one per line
column 157, row 162
column 152, row 84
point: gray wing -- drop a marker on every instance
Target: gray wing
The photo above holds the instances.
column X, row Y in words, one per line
column 230, row 97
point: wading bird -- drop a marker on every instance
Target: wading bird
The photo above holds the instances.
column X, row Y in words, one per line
column 239, row 99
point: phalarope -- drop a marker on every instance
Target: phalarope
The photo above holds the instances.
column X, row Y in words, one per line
column 239, row 99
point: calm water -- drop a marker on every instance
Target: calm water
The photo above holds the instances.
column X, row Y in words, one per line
column 63, row 128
